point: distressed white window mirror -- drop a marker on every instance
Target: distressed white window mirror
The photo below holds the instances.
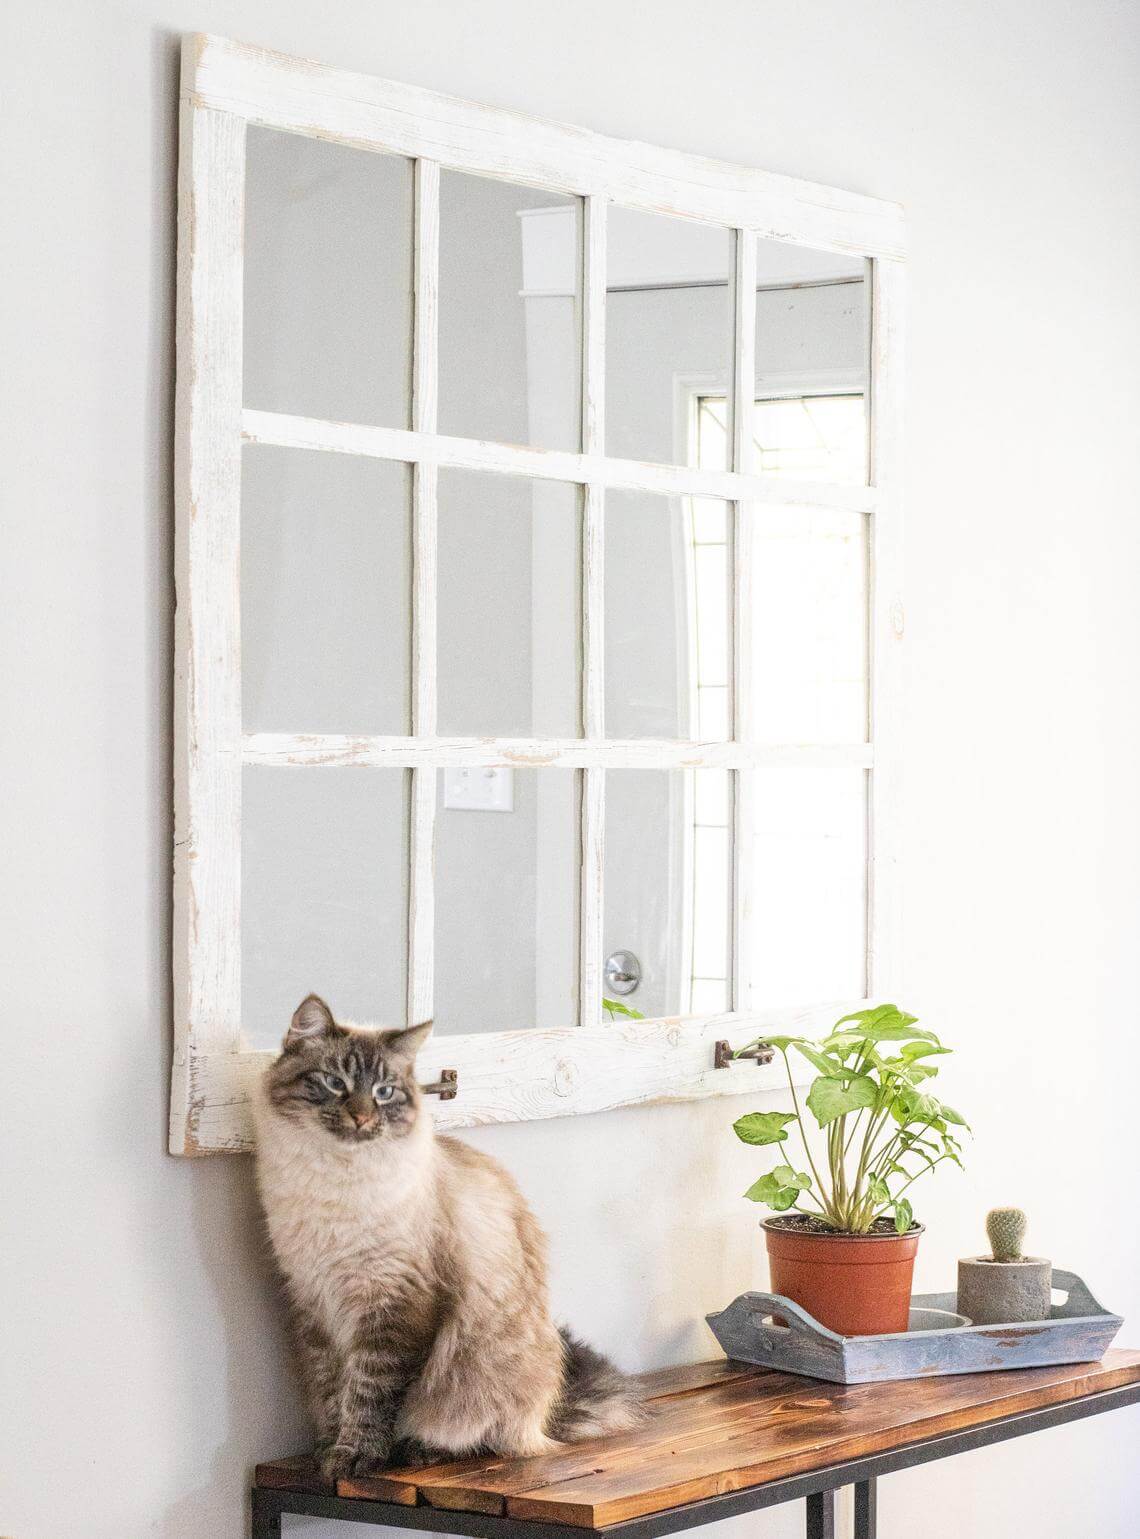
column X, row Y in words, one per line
column 568, row 462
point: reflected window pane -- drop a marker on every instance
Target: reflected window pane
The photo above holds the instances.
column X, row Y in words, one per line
column 806, row 937
column 324, row 877
column 808, row 674
column 509, row 312
column 668, row 330
column 506, row 906
column 812, row 438
column 509, row 606
column 667, row 581
column 808, row 621
column 328, row 280
column 667, row 894
column 811, row 320
column 325, row 592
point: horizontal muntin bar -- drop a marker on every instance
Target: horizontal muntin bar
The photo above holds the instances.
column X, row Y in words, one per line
column 288, row 432
column 331, row 749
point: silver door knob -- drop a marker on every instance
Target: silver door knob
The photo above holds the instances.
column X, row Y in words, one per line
column 622, row 972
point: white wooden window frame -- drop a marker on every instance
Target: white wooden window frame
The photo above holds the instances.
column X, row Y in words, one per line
column 538, row 1072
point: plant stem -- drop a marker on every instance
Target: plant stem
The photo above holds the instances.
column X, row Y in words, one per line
column 824, row 1198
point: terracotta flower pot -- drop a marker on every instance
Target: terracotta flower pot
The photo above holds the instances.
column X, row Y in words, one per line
column 856, row 1284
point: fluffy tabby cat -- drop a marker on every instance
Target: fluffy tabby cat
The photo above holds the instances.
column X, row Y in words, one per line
column 415, row 1272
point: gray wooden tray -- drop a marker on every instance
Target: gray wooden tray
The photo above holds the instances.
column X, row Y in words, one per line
column 1077, row 1331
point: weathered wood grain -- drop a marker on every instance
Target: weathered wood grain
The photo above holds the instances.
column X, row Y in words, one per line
column 207, row 692
column 537, row 1073
column 716, row 1428
column 298, row 1472
column 806, row 1428
column 887, row 282
column 479, row 1485
column 302, row 749
column 520, row 1076
column 411, row 448
column 1078, row 1331
column 306, row 97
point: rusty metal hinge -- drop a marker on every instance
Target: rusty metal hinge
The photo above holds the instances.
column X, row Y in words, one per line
column 723, row 1054
column 446, row 1087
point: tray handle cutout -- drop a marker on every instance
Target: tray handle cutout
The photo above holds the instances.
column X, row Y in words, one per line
column 1079, row 1301
column 760, row 1306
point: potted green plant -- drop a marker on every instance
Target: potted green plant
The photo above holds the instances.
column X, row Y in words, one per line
column 844, row 1239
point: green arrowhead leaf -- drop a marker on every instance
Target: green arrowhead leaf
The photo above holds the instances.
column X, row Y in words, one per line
column 923, row 1049
column 762, row 1127
column 784, row 1198
column 877, row 1189
column 950, row 1115
column 829, row 1097
column 615, row 1007
column 842, row 1042
column 786, row 1176
column 904, row 1215
column 887, row 1023
column 950, row 1150
column 824, row 1064
column 763, row 1190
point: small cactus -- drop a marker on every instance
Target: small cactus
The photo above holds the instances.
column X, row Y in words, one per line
column 1006, row 1229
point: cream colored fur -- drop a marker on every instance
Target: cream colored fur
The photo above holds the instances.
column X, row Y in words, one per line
column 405, row 1218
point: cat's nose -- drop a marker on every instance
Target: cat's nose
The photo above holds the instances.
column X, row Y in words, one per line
column 363, row 1116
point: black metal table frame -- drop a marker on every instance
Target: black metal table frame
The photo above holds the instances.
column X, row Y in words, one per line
column 817, row 1487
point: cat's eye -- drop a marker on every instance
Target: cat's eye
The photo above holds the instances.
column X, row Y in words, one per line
column 383, row 1092
column 333, row 1083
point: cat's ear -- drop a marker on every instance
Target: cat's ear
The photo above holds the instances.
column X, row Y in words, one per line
column 406, row 1044
column 312, row 1018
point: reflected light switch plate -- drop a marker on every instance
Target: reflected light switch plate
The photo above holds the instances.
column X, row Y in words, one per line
column 479, row 790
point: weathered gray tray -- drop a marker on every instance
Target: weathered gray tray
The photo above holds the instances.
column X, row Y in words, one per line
column 1077, row 1331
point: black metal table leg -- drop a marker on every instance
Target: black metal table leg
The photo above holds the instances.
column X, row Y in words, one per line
column 866, row 1502
column 821, row 1515
column 266, row 1517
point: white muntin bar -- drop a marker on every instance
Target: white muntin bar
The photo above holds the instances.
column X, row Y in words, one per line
column 264, row 427
column 741, row 428
column 425, row 524
column 885, row 911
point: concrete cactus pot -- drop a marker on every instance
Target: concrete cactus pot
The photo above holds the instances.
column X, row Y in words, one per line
column 1003, row 1292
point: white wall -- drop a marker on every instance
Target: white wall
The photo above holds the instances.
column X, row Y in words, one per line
column 143, row 1366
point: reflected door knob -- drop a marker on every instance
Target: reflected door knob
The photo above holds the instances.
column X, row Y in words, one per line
column 622, row 972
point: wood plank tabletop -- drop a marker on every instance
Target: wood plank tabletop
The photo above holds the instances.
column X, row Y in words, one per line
column 712, row 1428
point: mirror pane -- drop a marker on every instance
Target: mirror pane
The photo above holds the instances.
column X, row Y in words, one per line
column 668, row 574
column 668, row 332
column 666, row 886
column 325, row 592
column 808, row 673
column 806, row 939
column 509, row 313
column 324, row 895
column 809, row 417
column 507, row 860
column 328, row 280
column 509, row 606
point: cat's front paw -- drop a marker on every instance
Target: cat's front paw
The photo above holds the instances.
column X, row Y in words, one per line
column 334, row 1460
column 369, row 1461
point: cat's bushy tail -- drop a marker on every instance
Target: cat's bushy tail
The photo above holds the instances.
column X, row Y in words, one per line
column 596, row 1398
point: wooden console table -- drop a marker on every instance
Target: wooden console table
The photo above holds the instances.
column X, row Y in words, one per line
column 721, row 1439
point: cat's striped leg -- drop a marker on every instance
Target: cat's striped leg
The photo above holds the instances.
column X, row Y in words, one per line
column 318, row 1364
column 374, row 1381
